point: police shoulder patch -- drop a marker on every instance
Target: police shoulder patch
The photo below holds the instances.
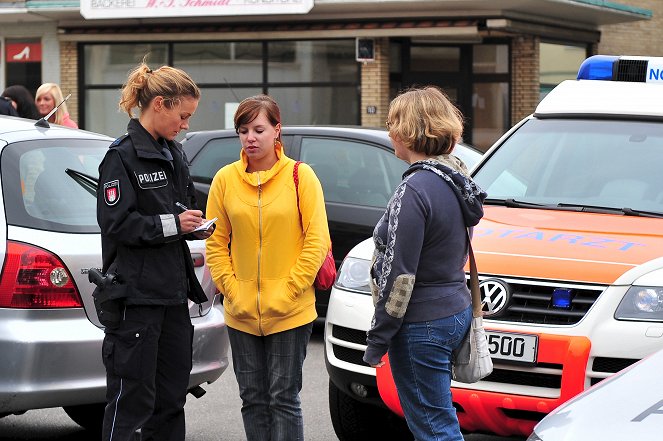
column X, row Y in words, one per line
column 112, row 192
column 119, row 140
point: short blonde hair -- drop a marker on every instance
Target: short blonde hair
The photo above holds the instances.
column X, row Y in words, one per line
column 425, row 121
column 144, row 84
column 54, row 90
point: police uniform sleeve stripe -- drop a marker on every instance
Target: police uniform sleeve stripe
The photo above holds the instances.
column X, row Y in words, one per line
column 168, row 225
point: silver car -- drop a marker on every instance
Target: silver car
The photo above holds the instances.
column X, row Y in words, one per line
column 50, row 337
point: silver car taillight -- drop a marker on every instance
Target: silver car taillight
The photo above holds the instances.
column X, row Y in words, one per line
column 34, row 278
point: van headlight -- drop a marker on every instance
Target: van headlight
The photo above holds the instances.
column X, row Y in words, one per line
column 643, row 303
column 354, row 275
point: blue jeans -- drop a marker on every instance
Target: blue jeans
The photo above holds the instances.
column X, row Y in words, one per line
column 269, row 373
column 420, row 358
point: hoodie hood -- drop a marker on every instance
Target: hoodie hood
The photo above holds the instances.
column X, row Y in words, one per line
column 454, row 172
column 261, row 177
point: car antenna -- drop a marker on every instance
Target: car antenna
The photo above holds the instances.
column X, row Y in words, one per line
column 43, row 121
column 231, row 89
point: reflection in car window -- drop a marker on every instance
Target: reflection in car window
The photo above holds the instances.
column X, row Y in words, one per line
column 214, row 155
column 353, row 172
column 38, row 191
column 600, row 163
column 219, row 152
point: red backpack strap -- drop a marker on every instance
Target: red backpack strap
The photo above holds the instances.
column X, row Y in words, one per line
column 295, row 177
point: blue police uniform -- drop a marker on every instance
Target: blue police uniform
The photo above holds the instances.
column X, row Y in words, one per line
column 148, row 355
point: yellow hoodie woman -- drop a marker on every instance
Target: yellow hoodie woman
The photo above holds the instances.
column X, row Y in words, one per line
column 266, row 271
column 264, row 256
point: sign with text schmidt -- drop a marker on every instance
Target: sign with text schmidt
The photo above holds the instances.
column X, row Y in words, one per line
column 91, row 9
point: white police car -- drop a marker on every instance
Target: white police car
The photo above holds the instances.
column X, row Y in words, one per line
column 569, row 252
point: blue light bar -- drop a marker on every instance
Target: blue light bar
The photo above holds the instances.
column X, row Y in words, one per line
column 597, row 67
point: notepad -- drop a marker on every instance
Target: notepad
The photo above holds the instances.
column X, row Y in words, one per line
column 206, row 225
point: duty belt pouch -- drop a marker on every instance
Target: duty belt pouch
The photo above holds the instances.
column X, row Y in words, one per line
column 108, row 298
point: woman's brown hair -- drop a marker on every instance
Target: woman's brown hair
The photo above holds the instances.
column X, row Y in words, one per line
column 144, row 84
column 250, row 108
column 425, row 121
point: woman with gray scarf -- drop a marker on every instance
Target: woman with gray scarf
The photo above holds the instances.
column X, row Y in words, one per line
column 422, row 303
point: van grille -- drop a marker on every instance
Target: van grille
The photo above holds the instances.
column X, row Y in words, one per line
column 349, row 335
column 548, row 376
column 608, row 365
column 530, row 301
column 523, row 378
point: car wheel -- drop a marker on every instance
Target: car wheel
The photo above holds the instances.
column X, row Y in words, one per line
column 356, row 421
column 88, row 416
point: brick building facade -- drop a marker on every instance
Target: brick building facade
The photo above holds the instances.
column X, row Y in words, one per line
column 489, row 61
column 635, row 38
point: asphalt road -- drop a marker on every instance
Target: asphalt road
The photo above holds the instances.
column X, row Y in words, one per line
column 216, row 416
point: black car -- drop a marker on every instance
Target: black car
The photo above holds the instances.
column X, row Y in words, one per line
column 356, row 166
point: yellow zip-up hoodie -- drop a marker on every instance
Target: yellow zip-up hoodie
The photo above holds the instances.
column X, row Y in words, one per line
column 266, row 271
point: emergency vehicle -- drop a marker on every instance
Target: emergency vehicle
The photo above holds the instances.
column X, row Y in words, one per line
column 569, row 252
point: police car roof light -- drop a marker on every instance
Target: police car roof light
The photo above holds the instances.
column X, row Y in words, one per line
column 630, row 69
column 597, row 67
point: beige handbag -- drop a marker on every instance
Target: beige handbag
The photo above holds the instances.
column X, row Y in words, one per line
column 471, row 360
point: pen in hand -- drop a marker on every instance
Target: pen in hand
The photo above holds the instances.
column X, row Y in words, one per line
column 196, row 219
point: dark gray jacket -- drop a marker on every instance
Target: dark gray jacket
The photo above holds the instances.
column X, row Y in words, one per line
column 421, row 249
column 140, row 181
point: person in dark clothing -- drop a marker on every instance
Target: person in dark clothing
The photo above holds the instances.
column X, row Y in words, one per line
column 23, row 101
column 6, row 107
column 143, row 182
column 422, row 303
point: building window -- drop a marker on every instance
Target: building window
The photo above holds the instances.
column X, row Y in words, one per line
column 490, row 59
column 490, row 108
column 490, row 94
column 428, row 58
column 313, row 81
column 220, row 62
column 558, row 62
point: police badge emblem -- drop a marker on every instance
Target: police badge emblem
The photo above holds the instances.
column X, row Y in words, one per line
column 112, row 192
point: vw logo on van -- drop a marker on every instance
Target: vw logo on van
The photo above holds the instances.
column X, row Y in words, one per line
column 495, row 294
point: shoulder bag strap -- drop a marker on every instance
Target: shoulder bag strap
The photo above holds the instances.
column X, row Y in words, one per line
column 477, row 307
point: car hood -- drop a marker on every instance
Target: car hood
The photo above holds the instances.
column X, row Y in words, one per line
column 562, row 245
column 626, row 406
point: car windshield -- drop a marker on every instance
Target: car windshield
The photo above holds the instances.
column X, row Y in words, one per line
column 578, row 164
column 43, row 184
column 466, row 154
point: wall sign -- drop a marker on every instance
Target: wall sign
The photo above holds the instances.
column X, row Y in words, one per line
column 23, row 52
column 91, row 9
column 365, row 49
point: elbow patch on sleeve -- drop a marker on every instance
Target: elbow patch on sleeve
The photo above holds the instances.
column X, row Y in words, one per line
column 168, row 225
column 400, row 294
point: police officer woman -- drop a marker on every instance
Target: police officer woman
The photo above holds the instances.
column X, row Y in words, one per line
column 143, row 181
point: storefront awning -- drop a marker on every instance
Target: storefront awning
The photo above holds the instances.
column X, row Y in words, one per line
column 578, row 14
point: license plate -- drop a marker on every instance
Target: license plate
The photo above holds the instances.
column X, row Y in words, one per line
column 510, row 346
